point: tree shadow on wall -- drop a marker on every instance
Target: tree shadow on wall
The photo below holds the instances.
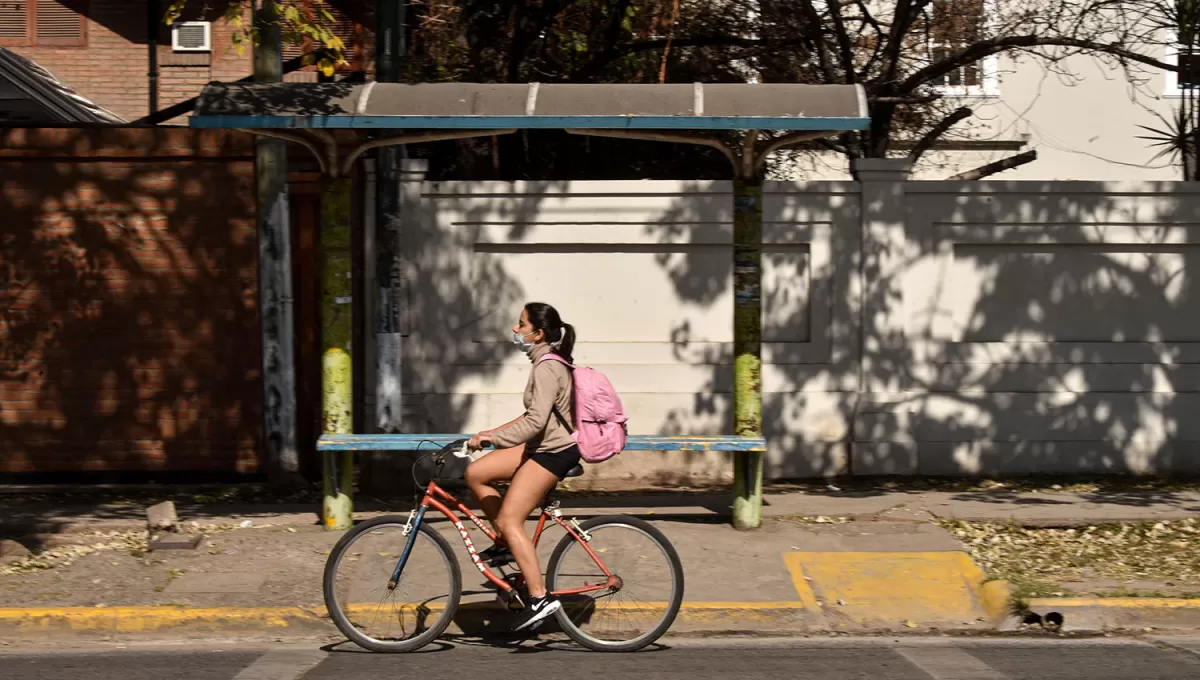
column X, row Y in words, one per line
column 129, row 325
column 1039, row 328
column 459, row 299
column 810, row 368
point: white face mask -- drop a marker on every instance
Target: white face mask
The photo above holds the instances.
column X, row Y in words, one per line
column 526, row 347
column 519, row 341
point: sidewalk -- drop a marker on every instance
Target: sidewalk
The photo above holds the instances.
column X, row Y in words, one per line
column 853, row 561
column 1035, row 508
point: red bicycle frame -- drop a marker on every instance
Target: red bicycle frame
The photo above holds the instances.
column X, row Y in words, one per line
column 431, row 500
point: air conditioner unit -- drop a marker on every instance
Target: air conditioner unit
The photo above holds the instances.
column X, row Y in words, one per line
column 192, row 36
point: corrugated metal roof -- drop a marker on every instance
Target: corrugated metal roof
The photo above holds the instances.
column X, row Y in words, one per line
column 482, row 106
column 29, row 94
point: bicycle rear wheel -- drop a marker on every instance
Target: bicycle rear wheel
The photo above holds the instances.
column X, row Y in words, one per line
column 632, row 613
column 402, row 619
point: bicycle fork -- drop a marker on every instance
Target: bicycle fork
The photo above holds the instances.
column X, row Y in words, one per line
column 410, row 530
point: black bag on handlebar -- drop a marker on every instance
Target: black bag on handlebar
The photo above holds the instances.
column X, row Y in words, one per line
column 453, row 470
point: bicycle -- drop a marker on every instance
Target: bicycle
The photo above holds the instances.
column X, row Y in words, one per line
column 426, row 558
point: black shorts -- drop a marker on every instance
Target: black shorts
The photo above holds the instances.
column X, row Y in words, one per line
column 558, row 462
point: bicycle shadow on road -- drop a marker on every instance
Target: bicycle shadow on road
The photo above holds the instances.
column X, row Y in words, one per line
column 490, row 624
column 348, row 647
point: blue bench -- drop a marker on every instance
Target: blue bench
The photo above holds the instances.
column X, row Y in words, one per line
column 336, row 516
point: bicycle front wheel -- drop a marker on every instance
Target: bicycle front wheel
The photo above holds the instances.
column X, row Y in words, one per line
column 400, row 619
column 641, row 600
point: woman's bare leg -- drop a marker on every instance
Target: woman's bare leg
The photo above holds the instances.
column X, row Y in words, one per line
column 529, row 486
column 499, row 465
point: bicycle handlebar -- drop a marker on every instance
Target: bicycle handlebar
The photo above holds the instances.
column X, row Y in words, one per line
column 458, row 449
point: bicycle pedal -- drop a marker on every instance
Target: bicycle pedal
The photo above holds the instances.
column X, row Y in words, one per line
column 514, row 602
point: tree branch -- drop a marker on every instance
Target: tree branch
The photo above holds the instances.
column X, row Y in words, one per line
column 843, row 38
column 924, row 99
column 814, row 29
column 999, row 166
column 613, row 32
column 902, row 20
column 833, row 146
column 589, row 69
column 927, row 141
column 878, row 43
column 789, row 139
column 868, row 17
column 986, row 48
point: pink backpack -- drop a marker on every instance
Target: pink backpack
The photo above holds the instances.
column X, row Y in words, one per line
column 599, row 418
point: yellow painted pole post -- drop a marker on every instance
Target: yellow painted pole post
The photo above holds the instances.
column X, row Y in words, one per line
column 747, row 348
column 337, row 405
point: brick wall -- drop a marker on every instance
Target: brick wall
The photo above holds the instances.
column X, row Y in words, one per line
column 128, row 325
column 112, row 69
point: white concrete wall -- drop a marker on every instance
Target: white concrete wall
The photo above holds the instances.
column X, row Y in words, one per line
column 985, row 327
column 1037, row 327
column 1084, row 127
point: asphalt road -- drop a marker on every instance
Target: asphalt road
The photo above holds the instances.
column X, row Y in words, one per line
column 816, row 659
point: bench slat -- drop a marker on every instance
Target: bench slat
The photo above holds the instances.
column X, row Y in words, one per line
column 430, row 442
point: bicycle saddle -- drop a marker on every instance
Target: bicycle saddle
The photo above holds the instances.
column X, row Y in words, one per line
column 576, row 471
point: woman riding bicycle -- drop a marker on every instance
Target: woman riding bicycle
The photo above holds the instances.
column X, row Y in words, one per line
column 540, row 435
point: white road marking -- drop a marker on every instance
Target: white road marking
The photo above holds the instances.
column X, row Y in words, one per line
column 948, row 663
column 282, row 664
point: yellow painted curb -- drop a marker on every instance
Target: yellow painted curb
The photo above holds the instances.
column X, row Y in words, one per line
column 896, row 588
column 147, row 619
column 160, row 618
column 996, row 598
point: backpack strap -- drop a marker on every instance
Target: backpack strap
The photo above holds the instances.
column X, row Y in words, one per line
column 562, row 421
column 555, row 357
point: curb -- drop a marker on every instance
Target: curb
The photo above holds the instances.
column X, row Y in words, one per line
column 116, row 620
column 1142, row 614
column 490, row 618
column 472, row 618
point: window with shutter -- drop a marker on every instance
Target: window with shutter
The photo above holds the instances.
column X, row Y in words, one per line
column 43, row 22
column 60, row 22
column 14, row 22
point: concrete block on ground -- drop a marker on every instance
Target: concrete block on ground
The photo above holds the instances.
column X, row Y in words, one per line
column 162, row 517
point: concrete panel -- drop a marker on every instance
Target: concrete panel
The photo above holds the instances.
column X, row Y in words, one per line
column 1011, row 327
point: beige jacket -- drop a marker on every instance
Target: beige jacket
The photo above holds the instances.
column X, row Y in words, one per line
column 550, row 384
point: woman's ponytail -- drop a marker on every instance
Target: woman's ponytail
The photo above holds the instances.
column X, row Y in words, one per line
column 568, row 343
column 560, row 335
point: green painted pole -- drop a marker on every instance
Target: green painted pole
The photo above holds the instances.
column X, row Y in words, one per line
column 337, row 406
column 747, row 348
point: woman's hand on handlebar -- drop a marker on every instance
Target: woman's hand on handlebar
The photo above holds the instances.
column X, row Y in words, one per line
column 480, row 440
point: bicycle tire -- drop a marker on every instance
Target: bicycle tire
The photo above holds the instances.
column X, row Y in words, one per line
column 673, row 605
column 342, row 621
